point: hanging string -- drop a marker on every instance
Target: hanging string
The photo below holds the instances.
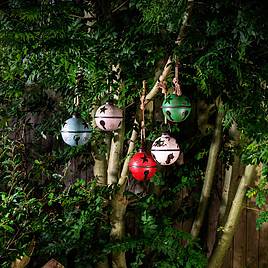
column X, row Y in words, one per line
column 79, row 77
column 164, row 88
column 76, row 100
column 142, row 107
column 176, row 83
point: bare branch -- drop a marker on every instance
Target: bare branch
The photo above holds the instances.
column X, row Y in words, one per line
column 224, row 243
column 209, row 175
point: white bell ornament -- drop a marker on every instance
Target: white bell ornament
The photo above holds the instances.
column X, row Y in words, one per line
column 165, row 150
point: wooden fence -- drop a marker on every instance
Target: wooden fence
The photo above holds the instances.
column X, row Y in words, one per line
column 250, row 246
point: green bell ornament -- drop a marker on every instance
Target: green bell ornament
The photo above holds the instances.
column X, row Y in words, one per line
column 176, row 107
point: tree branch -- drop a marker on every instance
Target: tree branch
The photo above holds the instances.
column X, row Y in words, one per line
column 224, row 243
column 115, row 154
column 209, row 175
column 185, row 22
column 230, row 183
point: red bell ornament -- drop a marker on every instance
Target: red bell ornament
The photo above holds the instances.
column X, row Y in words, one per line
column 142, row 166
column 165, row 150
column 108, row 117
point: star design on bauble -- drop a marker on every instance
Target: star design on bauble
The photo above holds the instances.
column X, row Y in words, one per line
column 103, row 109
column 85, row 125
column 159, row 143
column 144, row 158
column 168, row 99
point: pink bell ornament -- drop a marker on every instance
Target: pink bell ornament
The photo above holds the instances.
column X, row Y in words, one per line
column 108, row 117
column 165, row 150
column 75, row 132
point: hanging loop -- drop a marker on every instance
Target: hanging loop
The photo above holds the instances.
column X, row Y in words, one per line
column 76, row 100
column 79, row 77
column 142, row 107
column 175, row 81
column 163, row 86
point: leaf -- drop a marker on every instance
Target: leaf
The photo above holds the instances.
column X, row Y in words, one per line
column 7, row 228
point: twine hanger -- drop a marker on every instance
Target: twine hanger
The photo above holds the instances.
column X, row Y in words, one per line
column 164, row 88
column 142, row 107
column 79, row 77
column 175, row 81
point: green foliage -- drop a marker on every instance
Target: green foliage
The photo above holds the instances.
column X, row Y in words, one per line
column 43, row 46
column 161, row 245
column 161, row 16
column 61, row 219
column 263, row 218
column 158, row 241
column 260, row 192
column 82, row 220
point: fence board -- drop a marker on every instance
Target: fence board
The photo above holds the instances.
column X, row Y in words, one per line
column 252, row 237
column 228, row 260
column 213, row 215
column 263, row 246
column 240, row 243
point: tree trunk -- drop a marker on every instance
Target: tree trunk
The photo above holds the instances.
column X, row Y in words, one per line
column 231, row 179
column 100, row 169
column 209, row 175
column 224, row 243
column 119, row 204
column 115, row 155
column 225, row 195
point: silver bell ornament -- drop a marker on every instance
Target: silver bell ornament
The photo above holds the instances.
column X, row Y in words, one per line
column 108, row 117
column 75, row 132
column 165, row 150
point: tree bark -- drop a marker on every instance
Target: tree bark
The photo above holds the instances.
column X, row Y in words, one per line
column 115, row 155
column 100, row 169
column 119, row 204
column 131, row 146
column 225, row 194
column 231, row 178
column 185, row 22
column 224, row 243
column 209, row 175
